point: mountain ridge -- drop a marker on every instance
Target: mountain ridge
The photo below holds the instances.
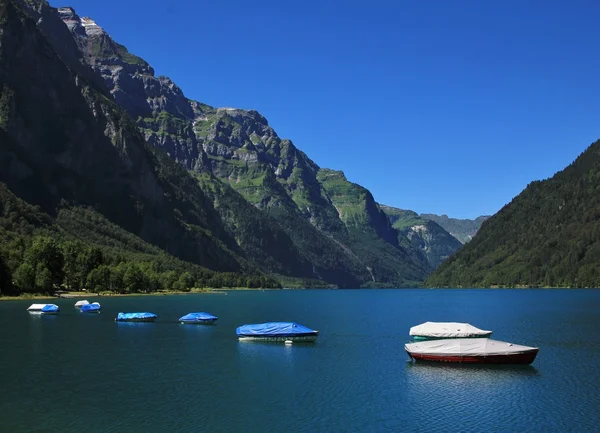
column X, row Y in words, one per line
column 213, row 186
column 547, row 236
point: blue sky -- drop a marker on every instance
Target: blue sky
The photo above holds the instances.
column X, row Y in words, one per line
column 436, row 106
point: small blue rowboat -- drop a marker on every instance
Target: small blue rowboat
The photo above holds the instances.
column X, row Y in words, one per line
column 136, row 317
column 198, row 319
column 91, row 308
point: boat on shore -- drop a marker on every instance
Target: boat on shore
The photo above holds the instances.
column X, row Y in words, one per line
column 441, row 330
column 81, row 303
column 43, row 309
column 94, row 307
column 277, row 331
column 471, row 351
column 198, row 319
column 136, row 317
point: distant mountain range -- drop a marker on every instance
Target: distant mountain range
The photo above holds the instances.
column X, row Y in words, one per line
column 462, row 229
column 98, row 152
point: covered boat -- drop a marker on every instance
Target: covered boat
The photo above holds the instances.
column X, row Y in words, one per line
column 472, row 351
column 136, row 317
column 94, row 307
column 43, row 308
column 80, row 304
column 439, row 330
column 198, row 319
column 276, row 331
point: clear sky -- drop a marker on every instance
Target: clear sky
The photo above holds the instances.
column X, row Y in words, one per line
column 436, row 106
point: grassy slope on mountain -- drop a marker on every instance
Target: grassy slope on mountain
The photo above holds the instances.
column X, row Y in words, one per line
column 427, row 236
column 372, row 238
column 549, row 235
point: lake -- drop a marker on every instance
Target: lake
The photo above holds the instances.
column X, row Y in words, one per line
column 76, row 372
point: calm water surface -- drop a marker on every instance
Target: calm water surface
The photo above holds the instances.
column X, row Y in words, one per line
column 75, row 372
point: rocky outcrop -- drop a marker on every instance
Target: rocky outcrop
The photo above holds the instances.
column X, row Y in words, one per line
column 64, row 142
column 462, row 229
column 435, row 243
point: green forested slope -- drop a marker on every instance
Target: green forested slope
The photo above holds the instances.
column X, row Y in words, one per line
column 549, row 235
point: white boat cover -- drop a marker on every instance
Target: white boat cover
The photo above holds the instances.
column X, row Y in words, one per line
column 466, row 346
column 79, row 304
column 36, row 307
column 448, row 330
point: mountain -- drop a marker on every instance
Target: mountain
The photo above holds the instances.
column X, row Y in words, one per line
column 65, row 145
column 429, row 237
column 243, row 152
column 462, row 229
column 548, row 235
column 88, row 127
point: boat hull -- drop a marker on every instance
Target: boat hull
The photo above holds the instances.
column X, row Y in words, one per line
column 429, row 337
column 525, row 357
column 310, row 338
column 198, row 322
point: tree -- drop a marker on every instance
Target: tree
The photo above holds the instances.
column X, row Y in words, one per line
column 70, row 253
column 43, row 278
column 5, row 278
column 99, row 278
column 169, row 280
column 133, row 279
column 24, row 278
column 45, row 251
column 88, row 259
column 185, row 282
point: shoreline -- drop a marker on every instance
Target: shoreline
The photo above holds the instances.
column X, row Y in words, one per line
column 77, row 295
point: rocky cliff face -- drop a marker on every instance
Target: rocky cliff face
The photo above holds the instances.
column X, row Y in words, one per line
column 64, row 142
column 462, row 229
column 273, row 204
column 425, row 235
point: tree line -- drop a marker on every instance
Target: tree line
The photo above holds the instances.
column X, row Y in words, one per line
column 47, row 264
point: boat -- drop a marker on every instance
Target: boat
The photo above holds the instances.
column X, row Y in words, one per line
column 136, row 317
column 80, row 304
column 439, row 330
column 471, row 351
column 198, row 319
column 43, row 309
column 94, row 307
column 277, row 331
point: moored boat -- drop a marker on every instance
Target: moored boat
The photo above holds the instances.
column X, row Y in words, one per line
column 471, row 351
column 136, row 317
column 198, row 319
column 94, row 307
column 440, row 330
column 81, row 303
column 277, row 331
column 43, row 309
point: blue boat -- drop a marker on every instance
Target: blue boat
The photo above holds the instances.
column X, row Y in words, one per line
column 44, row 309
column 136, row 317
column 94, row 307
column 198, row 319
column 277, row 331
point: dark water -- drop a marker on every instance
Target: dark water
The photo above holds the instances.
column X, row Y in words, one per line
column 79, row 373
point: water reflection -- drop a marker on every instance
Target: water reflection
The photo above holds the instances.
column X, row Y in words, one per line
column 434, row 371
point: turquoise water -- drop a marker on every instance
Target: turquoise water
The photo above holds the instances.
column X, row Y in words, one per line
column 74, row 372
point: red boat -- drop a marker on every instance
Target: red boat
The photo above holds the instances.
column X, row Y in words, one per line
column 471, row 351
